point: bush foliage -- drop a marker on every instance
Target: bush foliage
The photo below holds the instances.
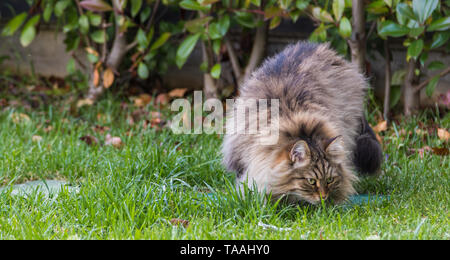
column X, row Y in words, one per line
column 138, row 38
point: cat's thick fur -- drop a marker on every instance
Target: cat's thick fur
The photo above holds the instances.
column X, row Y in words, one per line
column 323, row 135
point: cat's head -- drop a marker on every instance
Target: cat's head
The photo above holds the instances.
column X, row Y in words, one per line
column 313, row 171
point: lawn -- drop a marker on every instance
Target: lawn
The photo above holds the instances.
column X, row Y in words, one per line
column 158, row 185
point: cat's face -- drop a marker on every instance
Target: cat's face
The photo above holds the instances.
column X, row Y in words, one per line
column 316, row 174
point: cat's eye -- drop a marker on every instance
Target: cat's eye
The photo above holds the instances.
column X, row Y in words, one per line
column 311, row 181
column 330, row 180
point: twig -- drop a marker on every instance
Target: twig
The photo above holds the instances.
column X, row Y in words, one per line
column 423, row 84
column 387, row 82
column 234, row 59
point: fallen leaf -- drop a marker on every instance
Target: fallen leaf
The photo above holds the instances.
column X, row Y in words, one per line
column 48, row 129
column 89, row 140
column 3, row 102
column 100, row 129
column 18, row 118
column 443, row 134
column 162, row 99
column 440, row 150
column 36, row 138
column 96, row 78
column 142, row 100
column 178, row 92
column 380, row 127
column 113, row 140
column 420, row 151
column 178, row 221
column 91, row 51
column 85, row 102
column 108, row 78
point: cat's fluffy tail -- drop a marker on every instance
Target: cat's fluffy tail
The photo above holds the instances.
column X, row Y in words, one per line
column 367, row 155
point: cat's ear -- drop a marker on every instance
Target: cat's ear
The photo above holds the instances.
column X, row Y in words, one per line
column 300, row 154
column 334, row 147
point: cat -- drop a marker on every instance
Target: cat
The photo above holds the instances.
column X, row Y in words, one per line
column 323, row 135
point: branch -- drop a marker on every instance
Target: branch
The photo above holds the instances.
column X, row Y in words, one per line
column 387, row 80
column 423, row 84
column 237, row 70
column 258, row 50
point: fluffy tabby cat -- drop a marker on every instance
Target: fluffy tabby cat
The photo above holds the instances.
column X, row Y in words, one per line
column 323, row 134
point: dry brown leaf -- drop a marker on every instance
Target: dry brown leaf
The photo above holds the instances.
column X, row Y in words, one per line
column 85, row 102
column 379, row 138
column 380, row 127
column 420, row 151
column 18, row 118
column 178, row 221
column 48, row 129
column 443, row 134
column 142, row 100
column 100, row 129
column 113, row 140
column 440, row 150
column 162, row 99
column 91, row 51
column 108, row 78
column 96, row 78
column 178, row 92
column 36, row 138
column 89, row 140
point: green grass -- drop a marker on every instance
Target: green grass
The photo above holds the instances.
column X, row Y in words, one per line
column 133, row 192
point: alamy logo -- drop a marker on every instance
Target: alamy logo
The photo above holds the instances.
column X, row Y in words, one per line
column 243, row 117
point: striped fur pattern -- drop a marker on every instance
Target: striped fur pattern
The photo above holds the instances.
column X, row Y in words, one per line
column 321, row 106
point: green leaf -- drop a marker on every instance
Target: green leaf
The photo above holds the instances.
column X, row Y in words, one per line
column 424, row 8
column 215, row 71
column 415, row 32
column 439, row 39
column 432, row 86
column 441, row 24
column 245, row 19
column 145, row 14
column 197, row 25
column 60, row 6
column 29, row 31
column 345, row 28
column 70, row 67
column 14, row 24
column 390, row 28
column 377, row 7
column 338, row 9
column 274, row 22
column 160, row 41
column 135, row 7
column 98, row 36
column 224, row 24
column 143, row 71
column 48, row 12
column 95, row 19
column 141, row 38
column 216, row 46
column 415, row 48
column 84, row 24
column 192, row 5
column 404, row 12
column 301, row 4
column 214, row 31
column 436, row 65
column 185, row 49
column 396, row 94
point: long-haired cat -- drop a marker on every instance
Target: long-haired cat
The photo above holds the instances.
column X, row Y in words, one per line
column 323, row 135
